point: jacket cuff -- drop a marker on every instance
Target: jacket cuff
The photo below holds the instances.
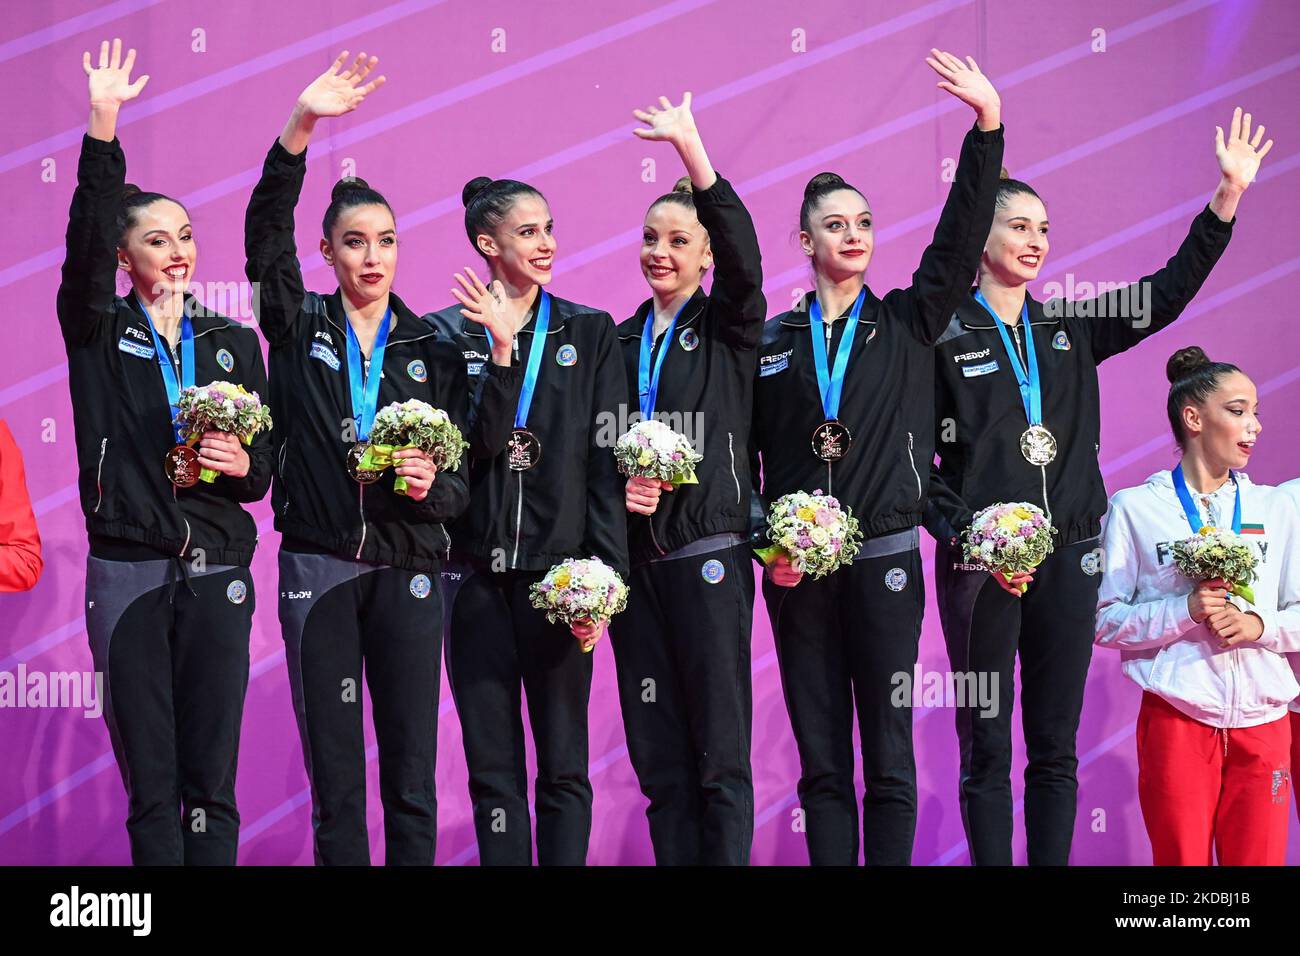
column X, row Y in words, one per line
column 1269, row 639
column 97, row 146
column 720, row 191
column 282, row 156
column 1211, row 223
column 986, row 136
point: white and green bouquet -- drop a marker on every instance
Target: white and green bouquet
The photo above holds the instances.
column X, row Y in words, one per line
column 814, row 531
column 651, row 449
column 1215, row 553
column 413, row 424
column 1009, row 538
column 220, row 407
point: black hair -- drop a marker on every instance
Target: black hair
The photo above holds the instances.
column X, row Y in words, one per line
column 820, row 186
column 348, row 193
column 133, row 200
column 1008, row 187
column 1193, row 378
column 488, row 201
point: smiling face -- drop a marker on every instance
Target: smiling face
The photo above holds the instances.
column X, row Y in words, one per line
column 363, row 252
column 839, row 236
column 675, row 250
column 1225, row 427
column 521, row 249
column 1017, row 243
column 158, row 250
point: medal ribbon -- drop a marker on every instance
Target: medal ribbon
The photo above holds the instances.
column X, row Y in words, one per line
column 648, row 383
column 1189, row 506
column 534, row 359
column 365, row 388
column 170, row 381
column 1031, row 392
column 831, row 384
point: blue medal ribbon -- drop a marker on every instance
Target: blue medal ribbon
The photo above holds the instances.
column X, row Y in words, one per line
column 365, row 388
column 1031, row 391
column 1189, row 506
column 534, row 359
column 171, row 382
column 831, row 383
column 647, row 382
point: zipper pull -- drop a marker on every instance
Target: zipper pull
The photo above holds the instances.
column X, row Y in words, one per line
column 830, row 330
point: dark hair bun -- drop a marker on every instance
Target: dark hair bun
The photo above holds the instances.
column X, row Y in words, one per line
column 346, row 185
column 129, row 190
column 473, row 188
column 822, row 182
column 1003, row 174
column 1184, row 362
column 684, row 185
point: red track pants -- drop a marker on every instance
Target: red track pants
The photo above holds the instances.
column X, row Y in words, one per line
column 1202, row 787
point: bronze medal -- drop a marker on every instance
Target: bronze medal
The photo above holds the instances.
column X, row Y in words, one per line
column 831, row 441
column 524, row 451
column 182, row 466
column 354, row 461
column 1038, row 445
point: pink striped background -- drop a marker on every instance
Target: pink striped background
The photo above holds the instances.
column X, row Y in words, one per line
column 1119, row 143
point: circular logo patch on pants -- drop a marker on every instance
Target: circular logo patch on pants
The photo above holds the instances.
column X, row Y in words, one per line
column 236, row 592
column 713, row 572
column 421, row 586
column 1090, row 563
column 895, row 579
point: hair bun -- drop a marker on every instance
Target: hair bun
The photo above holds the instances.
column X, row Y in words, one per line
column 129, row 190
column 684, row 185
column 346, row 185
column 823, row 181
column 1003, row 174
column 1184, row 362
column 473, row 188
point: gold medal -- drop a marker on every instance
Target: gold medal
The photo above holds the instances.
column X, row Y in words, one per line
column 355, row 454
column 181, row 465
column 831, row 441
column 1038, row 445
column 524, row 450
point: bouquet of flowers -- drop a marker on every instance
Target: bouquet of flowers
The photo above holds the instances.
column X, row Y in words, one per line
column 813, row 531
column 1214, row 553
column 1009, row 539
column 579, row 591
column 651, row 449
column 413, row 424
column 220, row 407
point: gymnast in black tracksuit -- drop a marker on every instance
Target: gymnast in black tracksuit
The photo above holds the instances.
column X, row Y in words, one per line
column 983, row 415
column 359, row 563
column 682, row 646
column 169, row 595
column 554, row 493
column 843, row 639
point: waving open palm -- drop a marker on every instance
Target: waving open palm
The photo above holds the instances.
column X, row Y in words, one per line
column 1240, row 156
column 338, row 90
column 110, row 82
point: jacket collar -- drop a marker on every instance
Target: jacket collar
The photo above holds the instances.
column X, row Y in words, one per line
column 201, row 318
column 799, row 316
column 409, row 327
column 635, row 326
column 556, row 323
column 972, row 315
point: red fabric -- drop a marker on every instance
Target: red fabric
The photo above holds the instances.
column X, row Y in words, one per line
column 1295, row 750
column 20, row 542
column 1194, row 797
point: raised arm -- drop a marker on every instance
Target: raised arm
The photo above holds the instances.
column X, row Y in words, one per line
column 949, row 263
column 1120, row 319
column 87, row 291
column 737, row 291
column 270, row 250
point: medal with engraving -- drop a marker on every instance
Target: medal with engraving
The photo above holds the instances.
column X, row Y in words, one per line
column 524, row 449
column 180, row 464
column 832, row 439
column 1037, row 444
column 363, row 387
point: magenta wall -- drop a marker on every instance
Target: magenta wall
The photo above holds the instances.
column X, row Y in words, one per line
column 1119, row 143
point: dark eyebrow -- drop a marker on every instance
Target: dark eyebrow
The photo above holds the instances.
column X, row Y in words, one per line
column 163, row 232
column 533, row 225
column 362, row 235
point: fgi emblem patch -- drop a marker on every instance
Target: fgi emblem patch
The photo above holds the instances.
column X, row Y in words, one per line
column 417, row 371
column 566, row 356
column 689, row 340
column 225, row 359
